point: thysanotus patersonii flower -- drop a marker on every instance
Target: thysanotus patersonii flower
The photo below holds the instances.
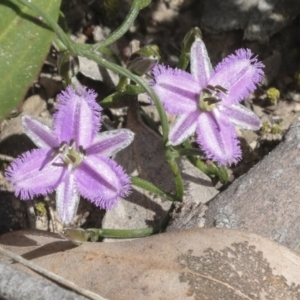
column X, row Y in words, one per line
column 73, row 158
column 207, row 101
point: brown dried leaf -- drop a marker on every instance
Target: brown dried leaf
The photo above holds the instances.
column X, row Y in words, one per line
column 206, row 263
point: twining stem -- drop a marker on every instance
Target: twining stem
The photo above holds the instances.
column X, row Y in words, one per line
column 79, row 235
column 189, row 152
column 77, row 51
column 130, row 90
column 177, row 178
column 163, row 117
column 109, row 65
column 131, row 233
column 97, row 233
column 119, row 32
column 208, row 169
column 80, row 51
column 146, row 185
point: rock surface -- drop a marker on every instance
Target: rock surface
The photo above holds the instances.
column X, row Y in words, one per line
column 17, row 285
column 266, row 199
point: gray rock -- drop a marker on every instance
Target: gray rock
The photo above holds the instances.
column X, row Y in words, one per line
column 266, row 199
column 17, row 285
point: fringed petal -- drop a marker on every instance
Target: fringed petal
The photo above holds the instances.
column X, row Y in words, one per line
column 39, row 133
column 31, row 174
column 217, row 138
column 67, row 198
column 201, row 67
column 184, row 126
column 78, row 116
column 177, row 90
column 110, row 142
column 102, row 181
column 242, row 116
column 239, row 73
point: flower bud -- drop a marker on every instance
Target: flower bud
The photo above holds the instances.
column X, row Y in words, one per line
column 143, row 60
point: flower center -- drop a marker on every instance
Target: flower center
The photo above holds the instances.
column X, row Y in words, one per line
column 209, row 97
column 69, row 154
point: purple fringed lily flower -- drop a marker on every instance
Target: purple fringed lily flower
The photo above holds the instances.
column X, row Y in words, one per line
column 73, row 158
column 207, row 100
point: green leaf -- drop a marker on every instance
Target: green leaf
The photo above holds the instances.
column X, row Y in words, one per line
column 24, row 43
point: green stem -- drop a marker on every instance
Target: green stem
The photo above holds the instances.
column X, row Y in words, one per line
column 133, row 89
column 76, row 51
column 60, row 47
column 189, row 152
column 114, row 98
column 124, row 27
column 123, row 82
column 177, row 178
column 220, row 172
column 135, row 8
column 120, row 233
column 106, row 51
column 146, row 185
column 80, row 235
column 104, row 63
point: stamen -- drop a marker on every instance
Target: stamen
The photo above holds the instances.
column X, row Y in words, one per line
column 59, row 151
column 82, row 151
column 212, row 100
column 69, row 154
column 207, row 91
column 211, row 87
column 72, row 144
column 209, row 97
column 221, row 89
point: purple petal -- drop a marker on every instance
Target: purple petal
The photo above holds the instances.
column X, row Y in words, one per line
column 102, row 181
column 110, row 142
column 239, row 74
column 30, row 174
column 241, row 116
column 78, row 116
column 67, row 198
column 39, row 133
column 217, row 138
column 184, row 126
column 177, row 89
column 201, row 68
